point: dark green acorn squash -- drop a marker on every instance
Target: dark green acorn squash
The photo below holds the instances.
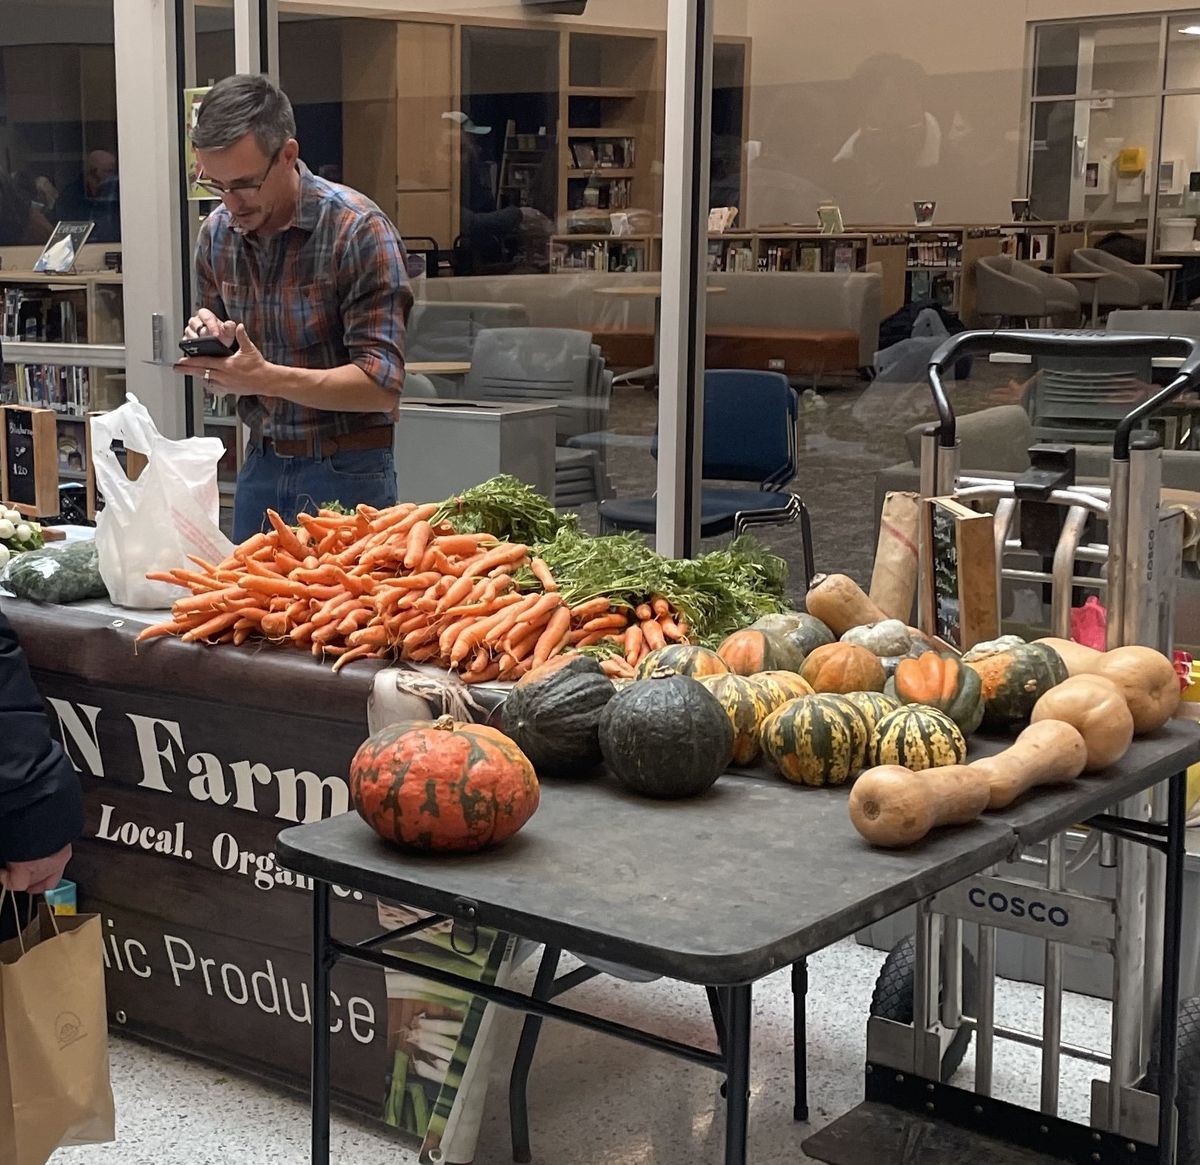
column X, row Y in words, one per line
column 555, row 720
column 684, row 660
column 816, row 740
column 1014, row 679
column 809, row 633
column 667, row 738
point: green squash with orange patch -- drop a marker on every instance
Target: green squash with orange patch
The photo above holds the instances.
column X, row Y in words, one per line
column 443, row 786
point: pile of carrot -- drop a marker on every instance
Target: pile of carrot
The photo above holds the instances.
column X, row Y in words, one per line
column 395, row 584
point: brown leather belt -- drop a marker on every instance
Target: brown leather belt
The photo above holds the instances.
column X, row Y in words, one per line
column 376, row 437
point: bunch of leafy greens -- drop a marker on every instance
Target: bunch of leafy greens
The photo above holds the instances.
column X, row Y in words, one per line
column 718, row 593
column 506, row 507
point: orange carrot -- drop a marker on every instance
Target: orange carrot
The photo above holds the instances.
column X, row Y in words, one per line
column 671, row 630
column 415, row 515
column 274, row 626
column 506, row 554
column 375, row 636
column 643, row 612
column 616, row 668
column 301, row 634
column 207, row 567
column 541, row 608
column 461, row 545
column 360, row 652
column 418, row 540
column 273, row 586
column 634, row 641
column 542, row 573
column 467, row 642
column 158, row 630
column 355, row 618
column 553, row 639
column 211, row 627
column 288, row 541
column 660, row 606
column 615, row 622
column 653, row 634
column 458, row 593
column 489, row 673
column 251, row 546
column 591, row 609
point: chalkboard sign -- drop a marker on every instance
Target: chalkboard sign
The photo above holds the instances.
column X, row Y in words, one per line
column 959, row 593
column 29, row 460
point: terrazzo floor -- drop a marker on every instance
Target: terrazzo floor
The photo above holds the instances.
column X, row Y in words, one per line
column 593, row 1101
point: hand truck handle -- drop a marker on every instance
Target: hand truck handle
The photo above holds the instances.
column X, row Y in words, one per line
column 1064, row 343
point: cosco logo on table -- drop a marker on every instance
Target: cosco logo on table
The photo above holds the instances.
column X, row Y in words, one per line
column 1018, row 907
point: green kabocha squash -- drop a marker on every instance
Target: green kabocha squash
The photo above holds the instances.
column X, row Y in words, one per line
column 873, row 705
column 816, row 740
column 748, row 652
column 942, row 682
column 1014, row 679
column 555, row 720
column 809, row 633
column 917, row 738
column 992, row 647
column 748, row 703
column 684, row 660
column 669, row 738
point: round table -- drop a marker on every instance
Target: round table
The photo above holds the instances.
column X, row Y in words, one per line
column 439, row 367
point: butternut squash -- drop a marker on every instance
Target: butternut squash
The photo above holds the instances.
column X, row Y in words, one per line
column 1080, row 660
column 1148, row 681
column 892, row 806
column 840, row 603
column 1050, row 752
column 1096, row 707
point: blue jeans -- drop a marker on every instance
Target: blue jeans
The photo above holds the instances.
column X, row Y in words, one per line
column 292, row 485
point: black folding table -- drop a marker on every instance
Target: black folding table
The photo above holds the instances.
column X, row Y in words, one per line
column 718, row 891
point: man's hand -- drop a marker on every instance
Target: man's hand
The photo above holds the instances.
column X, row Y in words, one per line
column 37, row 877
column 245, row 373
column 205, row 324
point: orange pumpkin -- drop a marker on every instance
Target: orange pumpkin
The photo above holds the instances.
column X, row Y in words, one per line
column 1097, row 710
column 443, row 786
column 751, row 651
column 843, row 667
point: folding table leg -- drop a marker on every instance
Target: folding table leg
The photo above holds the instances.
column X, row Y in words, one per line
column 736, row 1006
column 1168, row 1027
column 320, row 1025
column 518, row 1099
column 800, row 1038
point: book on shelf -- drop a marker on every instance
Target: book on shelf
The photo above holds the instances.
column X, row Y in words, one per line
column 65, row 389
column 809, row 258
column 843, row 257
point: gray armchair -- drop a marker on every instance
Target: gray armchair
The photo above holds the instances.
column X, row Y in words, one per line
column 1014, row 291
column 1125, row 284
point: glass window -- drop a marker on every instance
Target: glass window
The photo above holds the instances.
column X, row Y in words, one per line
column 58, row 120
column 1183, row 51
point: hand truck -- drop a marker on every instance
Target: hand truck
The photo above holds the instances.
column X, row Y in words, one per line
column 1132, row 547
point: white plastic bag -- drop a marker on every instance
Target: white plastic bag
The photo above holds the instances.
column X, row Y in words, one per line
column 154, row 523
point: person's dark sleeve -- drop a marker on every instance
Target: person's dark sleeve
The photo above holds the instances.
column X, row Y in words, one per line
column 376, row 300
column 41, row 804
column 208, row 294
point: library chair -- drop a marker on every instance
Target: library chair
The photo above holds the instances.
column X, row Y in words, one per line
column 750, row 435
column 1013, row 292
column 559, row 366
column 1124, row 284
column 1084, row 398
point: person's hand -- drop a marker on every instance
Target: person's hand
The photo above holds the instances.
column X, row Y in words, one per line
column 205, row 324
column 39, row 876
column 245, row 373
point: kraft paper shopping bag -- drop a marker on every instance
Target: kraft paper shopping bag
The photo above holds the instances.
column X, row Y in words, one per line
column 54, row 1082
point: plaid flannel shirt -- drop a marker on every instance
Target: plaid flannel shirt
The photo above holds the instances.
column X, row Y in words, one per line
column 332, row 289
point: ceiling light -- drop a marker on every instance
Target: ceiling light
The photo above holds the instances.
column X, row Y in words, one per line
column 1191, row 30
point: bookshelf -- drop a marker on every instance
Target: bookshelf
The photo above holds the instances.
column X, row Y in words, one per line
column 570, row 253
column 611, row 111
column 43, row 315
column 1046, row 244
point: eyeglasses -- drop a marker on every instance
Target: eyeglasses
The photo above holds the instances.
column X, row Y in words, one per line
column 217, row 190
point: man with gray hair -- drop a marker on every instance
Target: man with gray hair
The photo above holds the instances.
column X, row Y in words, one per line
column 304, row 282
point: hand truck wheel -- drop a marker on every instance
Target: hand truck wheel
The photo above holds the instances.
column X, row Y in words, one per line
column 893, row 997
column 1187, row 1099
